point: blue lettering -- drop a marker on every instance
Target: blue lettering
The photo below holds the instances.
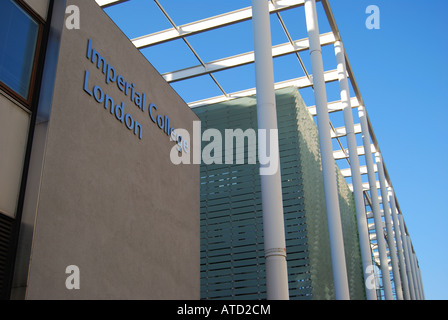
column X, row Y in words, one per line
column 129, row 122
column 139, row 127
column 161, row 124
column 167, row 125
column 142, row 105
column 97, row 89
column 179, row 143
column 120, row 82
column 86, row 83
column 120, row 117
column 99, row 60
column 89, row 48
column 108, row 101
column 152, row 106
column 138, row 100
column 128, row 86
column 111, row 75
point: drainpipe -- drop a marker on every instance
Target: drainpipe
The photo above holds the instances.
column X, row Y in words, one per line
column 328, row 163
column 271, row 187
column 387, row 287
column 363, row 230
column 389, row 230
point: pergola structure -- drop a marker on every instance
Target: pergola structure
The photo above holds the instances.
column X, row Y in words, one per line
column 384, row 239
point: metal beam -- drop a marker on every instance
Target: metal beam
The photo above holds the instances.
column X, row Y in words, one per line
column 335, row 106
column 189, row 45
column 362, row 170
column 243, row 59
column 342, row 131
column 288, row 35
column 302, row 82
column 210, row 23
column 108, row 3
column 343, row 154
column 369, row 214
column 365, row 186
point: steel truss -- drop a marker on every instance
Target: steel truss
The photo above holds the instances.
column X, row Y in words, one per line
column 395, row 238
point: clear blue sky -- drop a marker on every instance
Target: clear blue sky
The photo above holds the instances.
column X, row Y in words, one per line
column 400, row 69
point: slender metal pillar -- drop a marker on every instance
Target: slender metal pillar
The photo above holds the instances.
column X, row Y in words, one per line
column 404, row 280
column 407, row 257
column 328, row 162
column 413, row 269
column 389, row 228
column 363, row 230
column 421, row 283
column 271, row 187
column 417, row 277
column 384, row 265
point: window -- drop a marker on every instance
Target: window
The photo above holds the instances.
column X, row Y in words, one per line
column 19, row 38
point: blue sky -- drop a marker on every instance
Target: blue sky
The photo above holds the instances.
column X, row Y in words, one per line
column 401, row 72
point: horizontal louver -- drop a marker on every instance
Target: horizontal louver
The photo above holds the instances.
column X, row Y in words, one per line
column 6, row 225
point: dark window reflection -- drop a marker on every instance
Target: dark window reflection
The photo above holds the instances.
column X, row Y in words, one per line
column 18, row 38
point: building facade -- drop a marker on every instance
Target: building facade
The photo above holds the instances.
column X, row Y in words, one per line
column 91, row 205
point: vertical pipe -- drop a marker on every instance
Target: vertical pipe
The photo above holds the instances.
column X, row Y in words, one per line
column 363, row 231
column 389, row 230
column 407, row 257
column 417, row 271
column 414, row 274
column 271, row 187
column 328, row 163
column 417, row 277
column 384, row 265
column 422, row 291
column 404, row 281
column 417, row 285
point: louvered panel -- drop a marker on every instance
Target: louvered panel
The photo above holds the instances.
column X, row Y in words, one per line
column 6, row 227
column 232, row 259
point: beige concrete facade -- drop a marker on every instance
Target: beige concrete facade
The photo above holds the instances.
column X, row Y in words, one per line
column 108, row 199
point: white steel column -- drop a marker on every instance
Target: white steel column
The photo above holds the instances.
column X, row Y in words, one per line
column 407, row 256
column 363, row 230
column 421, row 283
column 417, row 277
column 328, row 162
column 387, row 287
column 397, row 227
column 413, row 269
column 389, row 230
column 271, row 187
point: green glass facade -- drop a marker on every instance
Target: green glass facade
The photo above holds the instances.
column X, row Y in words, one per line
column 232, row 259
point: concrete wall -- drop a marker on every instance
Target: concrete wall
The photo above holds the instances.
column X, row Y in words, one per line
column 109, row 202
column 39, row 6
